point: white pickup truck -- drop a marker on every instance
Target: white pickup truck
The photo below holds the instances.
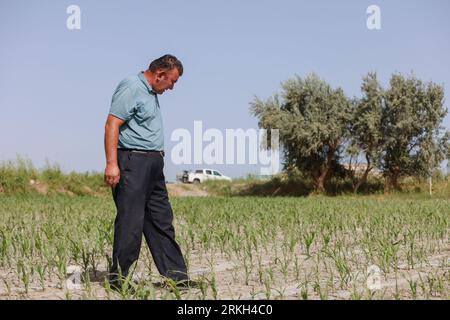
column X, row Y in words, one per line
column 205, row 174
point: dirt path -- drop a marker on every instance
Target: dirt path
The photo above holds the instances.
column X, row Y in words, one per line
column 186, row 190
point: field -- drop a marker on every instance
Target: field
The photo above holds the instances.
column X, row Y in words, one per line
column 316, row 247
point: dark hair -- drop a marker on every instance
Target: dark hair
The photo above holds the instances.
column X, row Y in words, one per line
column 166, row 62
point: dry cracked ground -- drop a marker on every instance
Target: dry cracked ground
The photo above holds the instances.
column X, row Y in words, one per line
column 270, row 270
column 232, row 280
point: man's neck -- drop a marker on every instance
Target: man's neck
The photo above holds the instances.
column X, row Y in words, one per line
column 149, row 77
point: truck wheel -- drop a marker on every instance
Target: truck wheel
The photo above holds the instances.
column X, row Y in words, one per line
column 196, row 181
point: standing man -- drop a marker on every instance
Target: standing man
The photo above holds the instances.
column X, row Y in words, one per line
column 134, row 147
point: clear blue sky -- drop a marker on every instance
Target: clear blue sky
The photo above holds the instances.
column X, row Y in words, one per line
column 56, row 84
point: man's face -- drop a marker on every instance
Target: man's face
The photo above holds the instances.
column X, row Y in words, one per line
column 165, row 79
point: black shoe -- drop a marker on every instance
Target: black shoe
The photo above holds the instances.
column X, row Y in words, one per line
column 180, row 285
column 118, row 286
column 188, row 284
column 114, row 284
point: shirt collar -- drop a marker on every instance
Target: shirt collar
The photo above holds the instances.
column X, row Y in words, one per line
column 144, row 80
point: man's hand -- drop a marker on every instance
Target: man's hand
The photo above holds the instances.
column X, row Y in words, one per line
column 112, row 171
column 112, row 175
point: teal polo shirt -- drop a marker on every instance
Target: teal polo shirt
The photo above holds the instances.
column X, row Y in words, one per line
column 137, row 104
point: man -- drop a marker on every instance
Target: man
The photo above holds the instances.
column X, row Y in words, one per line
column 134, row 147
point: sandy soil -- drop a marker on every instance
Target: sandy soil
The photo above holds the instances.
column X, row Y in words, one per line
column 185, row 190
column 233, row 282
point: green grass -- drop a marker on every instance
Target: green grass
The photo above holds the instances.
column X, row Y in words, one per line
column 320, row 245
column 253, row 239
column 22, row 177
column 285, row 185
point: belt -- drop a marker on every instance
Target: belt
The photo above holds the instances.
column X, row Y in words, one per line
column 143, row 151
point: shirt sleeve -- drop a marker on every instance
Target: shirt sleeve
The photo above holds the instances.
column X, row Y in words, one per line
column 123, row 104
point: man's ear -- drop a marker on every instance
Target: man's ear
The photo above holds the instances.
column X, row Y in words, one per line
column 160, row 75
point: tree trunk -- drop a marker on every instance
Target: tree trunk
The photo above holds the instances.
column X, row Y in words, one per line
column 320, row 184
column 324, row 176
column 392, row 181
column 363, row 179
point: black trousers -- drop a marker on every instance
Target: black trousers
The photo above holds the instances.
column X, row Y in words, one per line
column 143, row 207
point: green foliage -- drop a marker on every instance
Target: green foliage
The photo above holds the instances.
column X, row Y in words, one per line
column 397, row 131
column 15, row 175
column 20, row 176
column 366, row 129
column 319, row 247
column 51, row 173
column 312, row 119
column 415, row 141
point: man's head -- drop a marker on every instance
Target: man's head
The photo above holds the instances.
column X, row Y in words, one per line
column 163, row 73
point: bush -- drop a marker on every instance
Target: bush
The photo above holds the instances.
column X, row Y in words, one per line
column 20, row 176
column 15, row 175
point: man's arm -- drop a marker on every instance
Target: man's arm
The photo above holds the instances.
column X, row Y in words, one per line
column 112, row 171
